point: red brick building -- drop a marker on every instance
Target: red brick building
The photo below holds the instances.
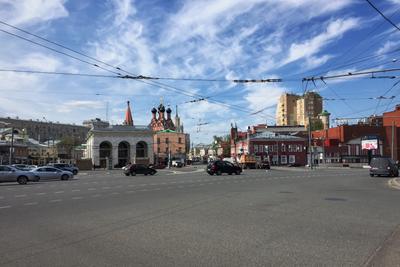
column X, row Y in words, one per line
column 278, row 149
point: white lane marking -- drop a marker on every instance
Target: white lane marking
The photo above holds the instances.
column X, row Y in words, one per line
column 115, row 193
column 20, row 195
column 59, row 192
column 106, row 187
column 130, row 192
column 5, row 207
column 40, row 194
column 55, row 200
column 76, row 190
column 92, row 189
column 30, row 203
column 75, row 198
column 97, row 195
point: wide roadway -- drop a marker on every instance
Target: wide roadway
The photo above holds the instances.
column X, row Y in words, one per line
column 281, row 217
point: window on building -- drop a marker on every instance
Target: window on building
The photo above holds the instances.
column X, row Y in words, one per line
column 260, row 148
column 166, row 140
column 283, row 159
column 180, row 140
column 166, row 150
column 275, row 148
column 292, row 159
column 158, row 140
column 283, row 147
column 158, row 149
column 180, row 149
column 255, row 148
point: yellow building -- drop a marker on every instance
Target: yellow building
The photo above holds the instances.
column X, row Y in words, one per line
column 294, row 109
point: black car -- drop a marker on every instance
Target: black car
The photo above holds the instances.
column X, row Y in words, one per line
column 219, row 167
column 134, row 169
column 383, row 166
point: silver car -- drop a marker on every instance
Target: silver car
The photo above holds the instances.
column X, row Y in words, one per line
column 48, row 173
column 12, row 174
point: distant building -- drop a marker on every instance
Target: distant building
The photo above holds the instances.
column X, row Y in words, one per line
column 117, row 145
column 169, row 140
column 43, row 130
column 295, row 110
column 278, row 149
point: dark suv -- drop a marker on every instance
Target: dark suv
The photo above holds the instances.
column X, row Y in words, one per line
column 383, row 166
column 219, row 167
column 65, row 167
column 134, row 169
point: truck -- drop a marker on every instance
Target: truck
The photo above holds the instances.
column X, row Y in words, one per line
column 247, row 162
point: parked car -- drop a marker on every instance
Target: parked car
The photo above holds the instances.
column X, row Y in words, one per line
column 24, row 167
column 134, row 169
column 177, row 163
column 48, row 173
column 219, row 167
column 12, row 174
column 383, row 166
column 65, row 167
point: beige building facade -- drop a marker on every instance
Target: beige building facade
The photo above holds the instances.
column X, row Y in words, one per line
column 295, row 109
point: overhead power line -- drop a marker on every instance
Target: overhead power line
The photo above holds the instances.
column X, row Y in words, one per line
column 349, row 74
column 268, row 80
column 60, row 73
column 383, row 15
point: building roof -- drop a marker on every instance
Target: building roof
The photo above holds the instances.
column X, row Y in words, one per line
column 128, row 116
column 122, row 128
column 274, row 136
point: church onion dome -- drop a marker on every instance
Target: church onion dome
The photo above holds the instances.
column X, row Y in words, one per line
column 161, row 108
column 154, row 110
column 169, row 110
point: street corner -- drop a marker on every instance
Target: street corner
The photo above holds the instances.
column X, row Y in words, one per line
column 394, row 183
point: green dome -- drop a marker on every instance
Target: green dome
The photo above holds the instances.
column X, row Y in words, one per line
column 325, row 113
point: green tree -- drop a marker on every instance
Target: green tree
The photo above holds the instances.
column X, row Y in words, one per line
column 317, row 125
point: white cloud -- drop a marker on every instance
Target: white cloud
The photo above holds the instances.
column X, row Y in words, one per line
column 80, row 104
column 123, row 10
column 263, row 97
column 310, row 47
column 31, row 11
column 388, row 46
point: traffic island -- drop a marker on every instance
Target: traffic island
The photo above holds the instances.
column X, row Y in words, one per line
column 394, row 183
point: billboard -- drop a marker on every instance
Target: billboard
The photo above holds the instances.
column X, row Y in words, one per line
column 369, row 144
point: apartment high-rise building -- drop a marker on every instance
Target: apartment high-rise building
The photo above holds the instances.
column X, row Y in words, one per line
column 286, row 112
column 293, row 109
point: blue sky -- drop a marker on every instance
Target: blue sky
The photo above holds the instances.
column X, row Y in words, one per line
column 196, row 39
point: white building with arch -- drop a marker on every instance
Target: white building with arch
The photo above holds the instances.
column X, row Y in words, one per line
column 118, row 145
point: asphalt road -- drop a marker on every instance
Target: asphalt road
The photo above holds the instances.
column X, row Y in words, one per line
column 279, row 218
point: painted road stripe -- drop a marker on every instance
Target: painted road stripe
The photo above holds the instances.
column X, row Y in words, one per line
column 58, row 192
column 20, row 195
column 74, row 198
column 30, row 203
column 5, row 207
column 55, row 200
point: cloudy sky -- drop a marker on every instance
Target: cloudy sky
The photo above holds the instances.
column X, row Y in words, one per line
column 213, row 39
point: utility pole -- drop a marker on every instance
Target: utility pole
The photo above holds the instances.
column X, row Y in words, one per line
column 309, row 142
column 12, row 146
column 392, row 147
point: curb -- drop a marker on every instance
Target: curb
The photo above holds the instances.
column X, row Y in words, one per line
column 394, row 183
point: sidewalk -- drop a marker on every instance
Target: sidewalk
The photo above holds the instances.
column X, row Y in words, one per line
column 394, row 183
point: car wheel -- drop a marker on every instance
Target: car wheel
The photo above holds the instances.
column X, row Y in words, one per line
column 133, row 173
column 75, row 172
column 22, row 180
column 127, row 174
column 371, row 175
column 64, row 177
column 145, row 174
column 219, row 172
column 237, row 172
